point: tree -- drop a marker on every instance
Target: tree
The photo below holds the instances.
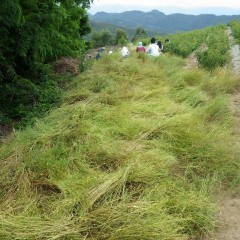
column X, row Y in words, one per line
column 84, row 24
column 100, row 39
column 139, row 33
column 96, row 39
column 33, row 34
column 121, row 37
column 106, row 37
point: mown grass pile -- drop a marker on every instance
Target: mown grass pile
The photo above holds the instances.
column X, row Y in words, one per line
column 137, row 151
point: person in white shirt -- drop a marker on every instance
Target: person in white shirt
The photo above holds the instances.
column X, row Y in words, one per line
column 124, row 52
column 153, row 48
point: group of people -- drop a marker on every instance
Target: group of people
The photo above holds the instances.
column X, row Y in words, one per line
column 154, row 49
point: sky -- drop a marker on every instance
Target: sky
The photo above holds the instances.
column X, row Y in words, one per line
column 218, row 7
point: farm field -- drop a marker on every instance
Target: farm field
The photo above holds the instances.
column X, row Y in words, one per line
column 141, row 148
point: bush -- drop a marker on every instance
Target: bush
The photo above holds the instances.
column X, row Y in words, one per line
column 33, row 34
column 100, row 39
column 216, row 54
column 235, row 26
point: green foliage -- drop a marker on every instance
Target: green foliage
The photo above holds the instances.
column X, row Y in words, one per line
column 183, row 44
column 139, row 33
column 121, row 37
column 235, row 26
column 100, row 39
column 84, row 24
column 99, row 26
column 33, row 34
column 23, row 99
column 210, row 45
column 216, row 54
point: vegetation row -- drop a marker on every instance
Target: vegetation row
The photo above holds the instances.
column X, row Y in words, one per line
column 235, row 26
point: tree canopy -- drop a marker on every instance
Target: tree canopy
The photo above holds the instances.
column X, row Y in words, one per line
column 101, row 39
column 121, row 37
column 139, row 33
column 33, row 34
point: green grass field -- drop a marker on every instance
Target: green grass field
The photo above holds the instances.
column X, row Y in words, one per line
column 140, row 150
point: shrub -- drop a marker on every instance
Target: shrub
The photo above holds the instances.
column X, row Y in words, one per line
column 33, row 34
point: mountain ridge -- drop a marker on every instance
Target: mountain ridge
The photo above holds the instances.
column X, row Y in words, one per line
column 160, row 22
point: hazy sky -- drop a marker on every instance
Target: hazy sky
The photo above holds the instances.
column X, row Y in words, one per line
column 168, row 6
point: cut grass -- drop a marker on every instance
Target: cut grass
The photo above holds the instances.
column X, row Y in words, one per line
column 137, row 151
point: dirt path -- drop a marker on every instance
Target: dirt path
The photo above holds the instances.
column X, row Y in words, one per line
column 229, row 215
column 236, row 58
column 191, row 61
column 230, row 219
column 235, row 52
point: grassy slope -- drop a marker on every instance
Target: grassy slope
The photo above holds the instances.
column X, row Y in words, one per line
column 137, row 151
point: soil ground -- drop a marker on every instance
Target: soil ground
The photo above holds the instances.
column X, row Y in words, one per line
column 191, row 62
column 229, row 217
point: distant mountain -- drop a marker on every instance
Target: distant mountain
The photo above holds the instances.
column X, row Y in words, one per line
column 159, row 22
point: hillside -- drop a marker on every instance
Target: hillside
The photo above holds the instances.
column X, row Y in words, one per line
column 98, row 26
column 159, row 22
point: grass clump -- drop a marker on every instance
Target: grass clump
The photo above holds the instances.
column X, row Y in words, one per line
column 134, row 152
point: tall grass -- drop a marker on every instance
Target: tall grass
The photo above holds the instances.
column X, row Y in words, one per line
column 137, row 151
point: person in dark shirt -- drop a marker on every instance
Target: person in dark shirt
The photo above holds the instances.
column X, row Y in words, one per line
column 160, row 46
column 99, row 52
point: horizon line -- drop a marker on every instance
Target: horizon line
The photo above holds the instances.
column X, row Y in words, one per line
column 169, row 11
